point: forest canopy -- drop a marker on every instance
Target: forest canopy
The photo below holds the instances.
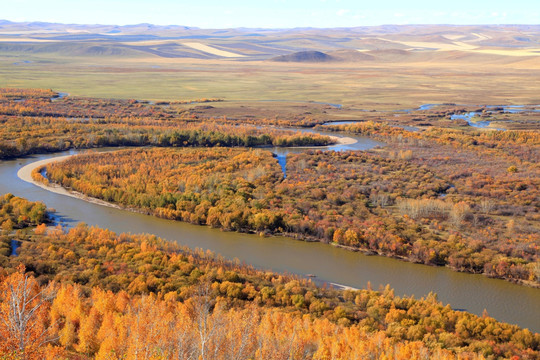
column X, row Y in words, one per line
column 439, row 193
column 357, row 200
column 144, row 293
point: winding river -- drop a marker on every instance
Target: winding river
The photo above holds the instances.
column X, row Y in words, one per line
column 469, row 117
column 474, row 293
column 350, row 143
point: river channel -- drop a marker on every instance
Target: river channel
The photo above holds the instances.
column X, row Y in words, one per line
column 474, row 293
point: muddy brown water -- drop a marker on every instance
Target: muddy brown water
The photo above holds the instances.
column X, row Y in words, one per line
column 503, row 300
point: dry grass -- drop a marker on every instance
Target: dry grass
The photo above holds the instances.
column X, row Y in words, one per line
column 458, row 70
column 362, row 85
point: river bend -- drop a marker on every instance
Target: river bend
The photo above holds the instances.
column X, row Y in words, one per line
column 503, row 300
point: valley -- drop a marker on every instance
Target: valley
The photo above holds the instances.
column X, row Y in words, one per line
column 324, row 178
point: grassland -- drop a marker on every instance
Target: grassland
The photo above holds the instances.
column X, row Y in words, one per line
column 393, row 71
column 369, row 86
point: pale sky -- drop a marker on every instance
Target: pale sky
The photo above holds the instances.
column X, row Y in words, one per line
column 273, row 13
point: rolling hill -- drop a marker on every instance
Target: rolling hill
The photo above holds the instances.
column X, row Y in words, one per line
column 294, row 45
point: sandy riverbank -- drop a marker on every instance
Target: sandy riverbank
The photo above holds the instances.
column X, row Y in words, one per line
column 25, row 174
column 342, row 287
column 344, row 140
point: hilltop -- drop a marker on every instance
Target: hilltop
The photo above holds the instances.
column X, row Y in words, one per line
column 305, row 56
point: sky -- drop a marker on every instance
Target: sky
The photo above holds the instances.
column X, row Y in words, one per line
column 273, row 13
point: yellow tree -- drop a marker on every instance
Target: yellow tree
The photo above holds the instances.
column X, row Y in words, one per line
column 24, row 307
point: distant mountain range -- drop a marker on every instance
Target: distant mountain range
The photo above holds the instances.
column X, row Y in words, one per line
column 381, row 43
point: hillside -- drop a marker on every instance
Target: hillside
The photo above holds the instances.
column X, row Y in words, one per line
column 305, row 56
column 297, row 45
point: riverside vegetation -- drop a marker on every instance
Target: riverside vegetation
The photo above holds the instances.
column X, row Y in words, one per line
column 89, row 293
column 33, row 123
column 390, row 206
column 415, row 199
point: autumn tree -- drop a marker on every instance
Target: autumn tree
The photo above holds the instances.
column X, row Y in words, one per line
column 24, row 323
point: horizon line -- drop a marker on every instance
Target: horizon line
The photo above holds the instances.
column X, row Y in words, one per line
column 265, row 28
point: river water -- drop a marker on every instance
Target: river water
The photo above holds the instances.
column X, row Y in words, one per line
column 483, row 124
column 503, row 300
column 474, row 293
column 362, row 143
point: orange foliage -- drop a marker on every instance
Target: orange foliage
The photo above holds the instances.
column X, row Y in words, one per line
column 357, row 200
column 151, row 327
column 144, row 277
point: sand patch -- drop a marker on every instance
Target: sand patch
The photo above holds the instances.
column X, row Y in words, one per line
column 462, row 46
column 343, row 287
column 438, row 46
column 434, row 45
column 211, row 50
column 148, row 42
column 344, row 140
column 480, row 37
column 454, row 37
